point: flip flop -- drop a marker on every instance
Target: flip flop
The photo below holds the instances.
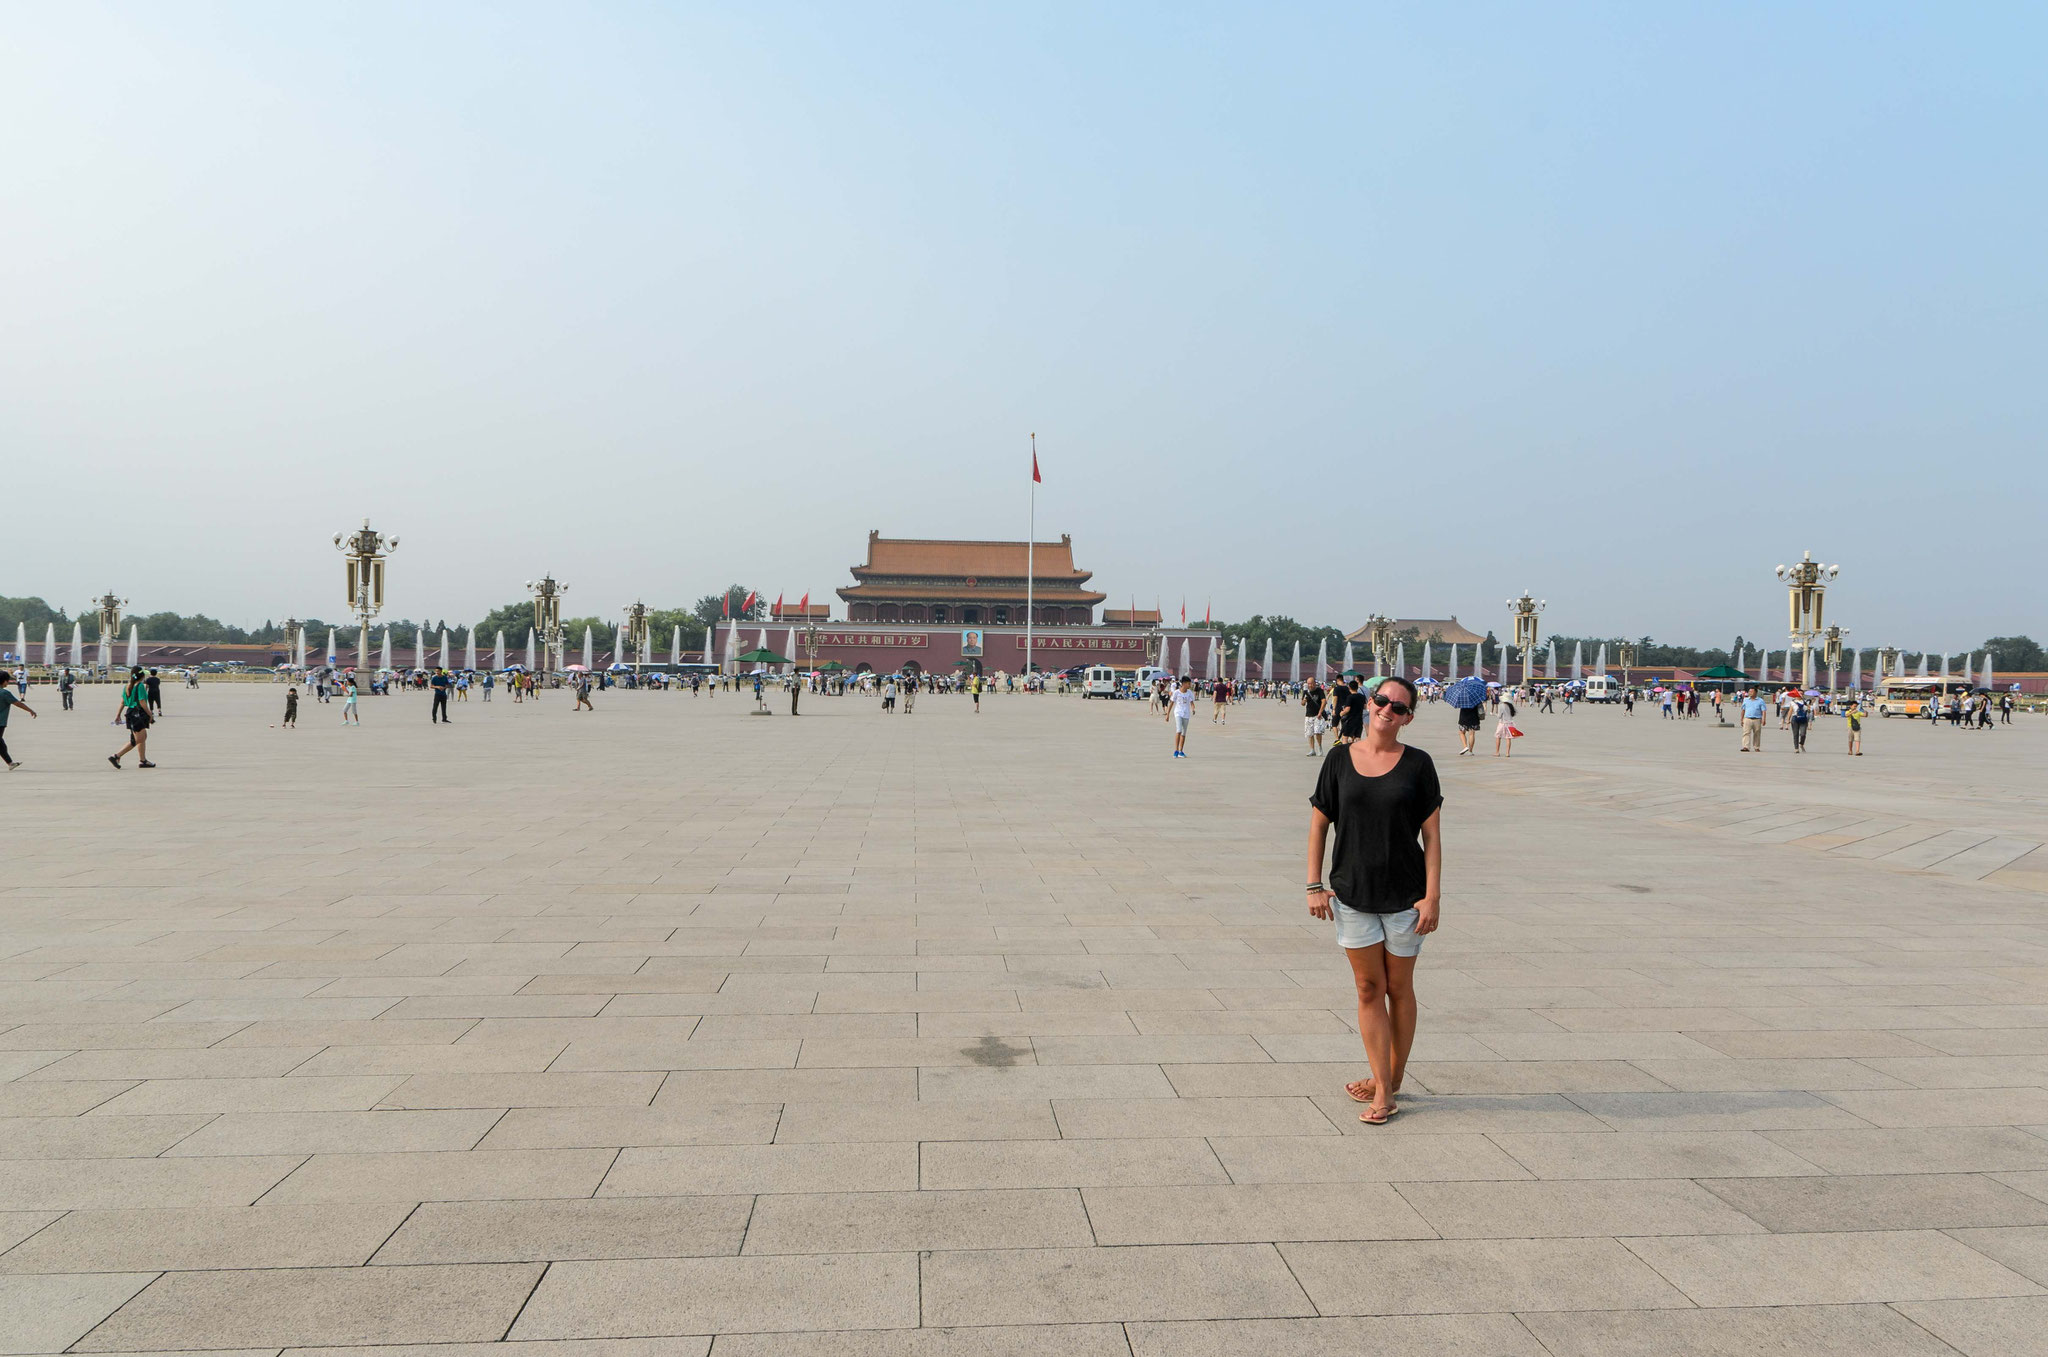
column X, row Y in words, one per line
column 1381, row 1119
column 1351, row 1090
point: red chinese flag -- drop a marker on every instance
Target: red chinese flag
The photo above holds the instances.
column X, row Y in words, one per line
column 805, row 606
column 725, row 606
column 778, row 605
column 748, row 606
column 1034, row 467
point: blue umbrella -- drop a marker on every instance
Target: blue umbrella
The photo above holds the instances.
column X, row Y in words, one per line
column 1466, row 692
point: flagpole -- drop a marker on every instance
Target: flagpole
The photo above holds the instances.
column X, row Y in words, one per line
column 1030, row 557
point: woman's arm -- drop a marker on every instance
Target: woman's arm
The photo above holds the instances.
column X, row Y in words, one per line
column 1433, row 867
column 1318, row 836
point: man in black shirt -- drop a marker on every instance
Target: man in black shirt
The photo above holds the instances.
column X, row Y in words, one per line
column 1348, row 710
column 1312, row 724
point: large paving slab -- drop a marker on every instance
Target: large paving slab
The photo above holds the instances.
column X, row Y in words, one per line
column 666, row 1030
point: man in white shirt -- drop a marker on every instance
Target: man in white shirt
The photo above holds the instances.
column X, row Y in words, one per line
column 1183, row 712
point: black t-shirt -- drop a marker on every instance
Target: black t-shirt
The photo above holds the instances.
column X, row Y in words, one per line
column 1378, row 866
column 1312, row 702
column 1351, row 707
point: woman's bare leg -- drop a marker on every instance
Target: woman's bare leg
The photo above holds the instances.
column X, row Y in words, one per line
column 1375, row 1026
column 1401, row 1008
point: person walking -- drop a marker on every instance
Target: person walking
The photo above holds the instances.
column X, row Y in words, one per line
column 1220, row 713
column 9, row 701
column 488, row 680
column 156, row 694
column 1347, row 710
column 1313, row 725
column 1752, row 723
column 909, row 695
column 975, row 687
column 1854, row 715
column 583, row 694
column 1183, row 707
column 1802, row 718
column 1383, row 800
column 1468, row 728
column 135, row 716
column 349, row 715
column 1504, row 729
column 291, row 708
column 440, row 684
column 65, row 683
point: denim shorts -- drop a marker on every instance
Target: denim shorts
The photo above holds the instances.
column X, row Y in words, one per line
column 1358, row 928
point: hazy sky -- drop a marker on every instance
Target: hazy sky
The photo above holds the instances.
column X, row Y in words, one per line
column 1316, row 310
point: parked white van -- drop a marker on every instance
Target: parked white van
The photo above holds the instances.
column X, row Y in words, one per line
column 1100, row 681
column 1603, row 688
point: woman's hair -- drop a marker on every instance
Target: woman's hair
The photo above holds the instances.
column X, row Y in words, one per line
column 1413, row 695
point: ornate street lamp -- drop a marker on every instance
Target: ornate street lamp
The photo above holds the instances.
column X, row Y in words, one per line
column 810, row 635
column 1808, row 585
column 636, row 631
column 365, row 550
column 1887, row 656
column 1831, row 650
column 1523, row 612
column 294, row 630
column 1626, row 652
column 1380, row 631
column 547, row 619
column 110, row 607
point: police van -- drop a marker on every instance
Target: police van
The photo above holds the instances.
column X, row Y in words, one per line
column 1099, row 681
column 1603, row 688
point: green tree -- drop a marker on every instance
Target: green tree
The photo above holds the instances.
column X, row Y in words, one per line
column 514, row 619
column 2015, row 654
column 35, row 615
column 1283, row 631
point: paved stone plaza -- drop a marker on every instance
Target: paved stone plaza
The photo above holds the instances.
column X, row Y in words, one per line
column 947, row 1036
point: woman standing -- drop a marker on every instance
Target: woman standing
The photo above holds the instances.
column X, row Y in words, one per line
column 350, row 716
column 1504, row 729
column 1383, row 800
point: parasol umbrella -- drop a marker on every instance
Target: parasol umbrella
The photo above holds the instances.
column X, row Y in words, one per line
column 830, row 667
column 577, row 668
column 762, row 655
column 1466, row 692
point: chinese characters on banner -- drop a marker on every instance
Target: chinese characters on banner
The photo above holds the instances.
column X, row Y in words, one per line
column 872, row 638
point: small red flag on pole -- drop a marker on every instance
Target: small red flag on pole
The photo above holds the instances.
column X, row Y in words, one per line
column 748, row 606
column 778, row 605
column 1034, row 464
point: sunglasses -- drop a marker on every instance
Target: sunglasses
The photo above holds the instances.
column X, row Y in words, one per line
column 1400, row 708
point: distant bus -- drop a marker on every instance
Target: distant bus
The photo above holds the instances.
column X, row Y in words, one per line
column 1911, row 695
